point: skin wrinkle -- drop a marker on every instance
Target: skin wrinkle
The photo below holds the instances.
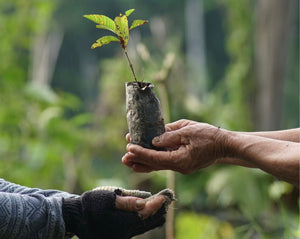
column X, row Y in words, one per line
column 207, row 143
column 176, row 159
column 270, row 159
column 227, row 152
column 193, row 145
column 173, row 159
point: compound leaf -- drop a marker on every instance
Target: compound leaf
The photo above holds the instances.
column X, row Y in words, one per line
column 103, row 41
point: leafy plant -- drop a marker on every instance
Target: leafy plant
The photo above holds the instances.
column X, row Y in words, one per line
column 118, row 26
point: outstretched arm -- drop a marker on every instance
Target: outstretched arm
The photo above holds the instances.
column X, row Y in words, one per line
column 37, row 213
column 32, row 216
column 278, row 157
column 292, row 135
column 31, row 212
column 10, row 187
column 192, row 146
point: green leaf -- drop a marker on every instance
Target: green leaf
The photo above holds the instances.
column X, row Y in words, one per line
column 137, row 23
column 128, row 12
column 103, row 41
column 103, row 21
column 122, row 30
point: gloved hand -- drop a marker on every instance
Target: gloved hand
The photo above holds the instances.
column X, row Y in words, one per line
column 94, row 216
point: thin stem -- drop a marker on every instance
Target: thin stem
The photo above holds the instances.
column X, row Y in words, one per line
column 131, row 67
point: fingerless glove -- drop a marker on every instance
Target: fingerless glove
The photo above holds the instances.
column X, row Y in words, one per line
column 94, row 216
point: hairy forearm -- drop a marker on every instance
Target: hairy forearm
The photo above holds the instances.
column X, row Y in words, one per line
column 277, row 157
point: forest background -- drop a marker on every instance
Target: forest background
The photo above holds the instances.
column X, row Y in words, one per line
column 234, row 64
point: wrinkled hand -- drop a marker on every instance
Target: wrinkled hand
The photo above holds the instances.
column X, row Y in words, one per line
column 190, row 146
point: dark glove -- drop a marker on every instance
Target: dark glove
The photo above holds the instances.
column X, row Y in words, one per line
column 94, row 216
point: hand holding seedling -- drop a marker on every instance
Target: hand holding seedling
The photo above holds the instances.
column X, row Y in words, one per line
column 192, row 145
column 119, row 26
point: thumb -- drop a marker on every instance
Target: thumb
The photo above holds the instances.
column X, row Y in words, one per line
column 129, row 203
column 168, row 139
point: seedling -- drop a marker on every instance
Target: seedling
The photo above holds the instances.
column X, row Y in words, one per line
column 144, row 116
column 119, row 26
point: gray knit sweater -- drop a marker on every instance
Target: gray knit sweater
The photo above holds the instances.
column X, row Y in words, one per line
column 31, row 213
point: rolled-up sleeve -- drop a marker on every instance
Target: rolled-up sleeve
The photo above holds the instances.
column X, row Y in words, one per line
column 31, row 212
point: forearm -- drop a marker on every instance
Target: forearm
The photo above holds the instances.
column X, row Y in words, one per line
column 292, row 135
column 35, row 216
column 277, row 157
column 235, row 161
column 31, row 212
column 9, row 187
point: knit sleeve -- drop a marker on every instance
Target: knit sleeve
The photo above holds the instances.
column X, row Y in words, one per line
column 31, row 213
column 9, row 187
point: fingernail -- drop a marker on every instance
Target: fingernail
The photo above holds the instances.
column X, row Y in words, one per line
column 127, row 146
column 124, row 156
column 156, row 140
column 140, row 204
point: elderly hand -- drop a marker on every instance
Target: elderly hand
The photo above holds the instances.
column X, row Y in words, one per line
column 190, row 146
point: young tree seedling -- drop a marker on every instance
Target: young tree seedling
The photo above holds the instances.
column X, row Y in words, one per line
column 119, row 26
column 143, row 111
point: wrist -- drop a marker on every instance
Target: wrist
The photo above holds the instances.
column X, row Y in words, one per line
column 237, row 144
column 72, row 214
column 224, row 144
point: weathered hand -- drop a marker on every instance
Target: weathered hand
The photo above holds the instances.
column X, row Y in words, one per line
column 191, row 146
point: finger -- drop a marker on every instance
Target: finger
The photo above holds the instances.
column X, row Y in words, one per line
column 177, row 125
column 130, row 160
column 139, row 155
column 127, row 159
column 152, row 207
column 128, row 137
column 155, row 160
column 168, row 139
column 173, row 126
column 130, row 204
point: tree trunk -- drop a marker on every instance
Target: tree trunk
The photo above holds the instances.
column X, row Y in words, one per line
column 44, row 56
column 196, row 60
column 271, row 42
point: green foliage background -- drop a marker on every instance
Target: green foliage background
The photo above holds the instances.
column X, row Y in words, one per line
column 70, row 134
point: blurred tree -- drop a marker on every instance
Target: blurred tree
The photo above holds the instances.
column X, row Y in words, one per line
column 196, row 51
column 39, row 145
column 271, row 53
